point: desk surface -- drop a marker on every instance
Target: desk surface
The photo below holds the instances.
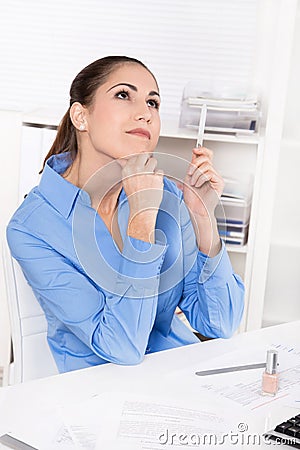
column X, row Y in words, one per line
column 170, row 372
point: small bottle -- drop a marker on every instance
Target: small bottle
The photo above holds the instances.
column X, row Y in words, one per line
column 270, row 378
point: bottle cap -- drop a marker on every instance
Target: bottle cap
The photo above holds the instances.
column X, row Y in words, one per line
column 272, row 361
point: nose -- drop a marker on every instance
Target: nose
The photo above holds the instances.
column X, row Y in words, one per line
column 143, row 113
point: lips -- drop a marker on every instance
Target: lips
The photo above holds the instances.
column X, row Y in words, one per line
column 140, row 132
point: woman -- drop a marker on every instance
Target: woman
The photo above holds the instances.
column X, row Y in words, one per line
column 108, row 244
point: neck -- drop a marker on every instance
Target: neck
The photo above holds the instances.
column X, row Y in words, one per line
column 82, row 170
column 100, row 176
column 109, row 202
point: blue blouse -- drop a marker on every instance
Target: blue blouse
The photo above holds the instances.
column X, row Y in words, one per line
column 103, row 305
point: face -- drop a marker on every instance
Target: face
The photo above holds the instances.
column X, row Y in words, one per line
column 124, row 117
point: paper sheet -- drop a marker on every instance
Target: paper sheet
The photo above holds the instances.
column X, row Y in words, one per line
column 42, row 428
column 48, row 432
column 122, row 421
column 244, row 388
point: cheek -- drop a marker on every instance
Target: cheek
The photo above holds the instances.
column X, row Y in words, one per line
column 102, row 127
column 157, row 132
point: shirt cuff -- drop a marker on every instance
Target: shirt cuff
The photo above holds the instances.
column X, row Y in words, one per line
column 140, row 259
column 214, row 270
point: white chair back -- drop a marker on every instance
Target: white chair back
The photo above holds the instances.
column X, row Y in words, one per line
column 32, row 357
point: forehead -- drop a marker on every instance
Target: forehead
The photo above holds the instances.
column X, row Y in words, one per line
column 134, row 74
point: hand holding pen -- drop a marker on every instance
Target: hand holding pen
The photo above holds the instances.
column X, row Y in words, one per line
column 202, row 189
column 203, row 185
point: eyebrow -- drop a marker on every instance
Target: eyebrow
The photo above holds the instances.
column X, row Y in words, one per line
column 131, row 86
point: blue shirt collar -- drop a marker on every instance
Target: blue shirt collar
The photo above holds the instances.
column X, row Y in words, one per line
column 60, row 193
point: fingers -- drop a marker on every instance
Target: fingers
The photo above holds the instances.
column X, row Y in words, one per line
column 212, row 177
column 200, row 177
column 201, row 163
column 201, row 155
column 141, row 163
column 201, row 170
column 140, row 178
column 151, row 165
column 197, row 162
column 203, row 151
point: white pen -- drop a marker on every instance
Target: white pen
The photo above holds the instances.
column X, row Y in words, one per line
column 201, row 127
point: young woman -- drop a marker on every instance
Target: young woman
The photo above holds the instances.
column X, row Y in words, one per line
column 109, row 245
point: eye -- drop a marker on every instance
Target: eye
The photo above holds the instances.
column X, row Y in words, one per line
column 153, row 103
column 123, row 95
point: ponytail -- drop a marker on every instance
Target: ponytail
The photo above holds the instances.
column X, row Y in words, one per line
column 65, row 140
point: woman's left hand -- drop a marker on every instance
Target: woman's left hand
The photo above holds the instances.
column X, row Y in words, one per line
column 203, row 185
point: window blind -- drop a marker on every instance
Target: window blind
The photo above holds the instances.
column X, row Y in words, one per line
column 45, row 44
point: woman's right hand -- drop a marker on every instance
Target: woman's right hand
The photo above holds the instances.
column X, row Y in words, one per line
column 143, row 185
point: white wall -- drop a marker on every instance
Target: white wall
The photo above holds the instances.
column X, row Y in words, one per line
column 282, row 297
column 45, row 43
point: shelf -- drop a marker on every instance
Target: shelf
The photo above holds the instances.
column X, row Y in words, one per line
column 237, row 248
column 44, row 117
column 170, row 129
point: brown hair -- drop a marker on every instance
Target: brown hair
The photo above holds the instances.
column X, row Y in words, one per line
column 82, row 90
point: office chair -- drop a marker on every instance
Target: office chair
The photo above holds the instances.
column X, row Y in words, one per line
column 32, row 357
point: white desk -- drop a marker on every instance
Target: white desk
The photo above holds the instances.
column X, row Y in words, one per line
column 170, row 372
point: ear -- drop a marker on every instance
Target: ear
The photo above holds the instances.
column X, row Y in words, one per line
column 77, row 116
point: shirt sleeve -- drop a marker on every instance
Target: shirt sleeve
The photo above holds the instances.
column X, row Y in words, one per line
column 115, row 325
column 213, row 295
